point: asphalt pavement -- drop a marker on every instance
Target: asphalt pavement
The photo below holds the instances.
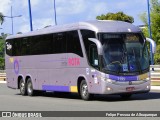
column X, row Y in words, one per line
column 11, row 100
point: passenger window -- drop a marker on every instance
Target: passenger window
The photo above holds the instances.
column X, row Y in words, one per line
column 73, row 43
column 90, row 47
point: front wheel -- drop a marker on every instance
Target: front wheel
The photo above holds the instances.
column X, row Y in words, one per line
column 85, row 95
column 30, row 90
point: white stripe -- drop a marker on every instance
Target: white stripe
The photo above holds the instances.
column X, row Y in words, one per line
column 3, row 82
column 155, row 87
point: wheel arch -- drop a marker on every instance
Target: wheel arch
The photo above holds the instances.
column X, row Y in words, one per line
column 28, row 76
column 80, row 78
column 18, row 80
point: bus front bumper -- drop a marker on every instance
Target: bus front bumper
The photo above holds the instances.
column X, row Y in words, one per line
column 109, row 88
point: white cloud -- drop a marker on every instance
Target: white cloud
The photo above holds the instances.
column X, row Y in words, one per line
column 33, row 2
column 97, row 9
column 37, row 24
column 5, row 6
column 65, row 7
column 41, row 23
column 67, row 11
column 24, row 28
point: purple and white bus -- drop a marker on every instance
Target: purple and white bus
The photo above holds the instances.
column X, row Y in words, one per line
column 95, row 57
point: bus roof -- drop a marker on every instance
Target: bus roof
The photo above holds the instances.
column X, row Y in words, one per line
column 97, row 26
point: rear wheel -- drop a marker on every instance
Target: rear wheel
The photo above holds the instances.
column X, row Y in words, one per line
column 30, row 90
column 85, row 95
column 22, row 87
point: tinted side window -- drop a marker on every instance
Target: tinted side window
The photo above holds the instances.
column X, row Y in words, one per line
column 45, row 44
column 41, row 44
column 73, row 43
column 59, row 40
column 16, row 47
column 85, row 35
column 25, row 46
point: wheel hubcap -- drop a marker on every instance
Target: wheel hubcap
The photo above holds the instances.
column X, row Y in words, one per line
column 29, row 88
column 22, row 87
column 84, row 90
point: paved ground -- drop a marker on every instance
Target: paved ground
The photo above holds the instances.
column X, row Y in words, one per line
column 11, row 100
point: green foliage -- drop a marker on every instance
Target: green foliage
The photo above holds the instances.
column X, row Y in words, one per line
column 2, row 51
column 2, row 63
column 116, row 16
column 155, row 26
column 157, row 55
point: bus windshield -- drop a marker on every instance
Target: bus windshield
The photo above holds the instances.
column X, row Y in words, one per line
column 124, row 53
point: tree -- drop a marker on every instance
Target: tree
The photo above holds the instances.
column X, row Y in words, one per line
column 1, row 18
column 155, row 26
column 2, row 52
column 116, row 16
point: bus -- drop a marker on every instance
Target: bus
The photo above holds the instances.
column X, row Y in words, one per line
column 88, row 58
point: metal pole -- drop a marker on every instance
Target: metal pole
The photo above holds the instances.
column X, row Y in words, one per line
column 12, row 20
column 30, row 15
column 55, row 15
column 150, row 31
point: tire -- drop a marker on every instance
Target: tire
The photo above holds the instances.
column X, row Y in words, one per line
column 85, row 95
column 30, row 90
column 22, row 87
column 126, row 96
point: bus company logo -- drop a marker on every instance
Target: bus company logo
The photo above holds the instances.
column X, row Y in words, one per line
column 8, row 46
column 16, row 67
column 74, row 61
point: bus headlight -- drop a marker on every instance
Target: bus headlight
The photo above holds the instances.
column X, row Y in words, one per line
column 110, row 81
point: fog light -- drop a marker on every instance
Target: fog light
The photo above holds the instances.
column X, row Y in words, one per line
column 109, row 89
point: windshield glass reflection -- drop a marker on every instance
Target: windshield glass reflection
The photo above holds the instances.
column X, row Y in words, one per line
column 124, row 53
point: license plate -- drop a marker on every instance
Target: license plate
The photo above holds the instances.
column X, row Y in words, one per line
column 129, row 89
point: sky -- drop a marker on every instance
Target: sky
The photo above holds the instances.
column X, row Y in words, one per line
column 68, row 11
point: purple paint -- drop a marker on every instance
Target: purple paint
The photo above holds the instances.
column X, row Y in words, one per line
column 56, row 88
column 53, row 61
column 123, row 78
column 16, row 67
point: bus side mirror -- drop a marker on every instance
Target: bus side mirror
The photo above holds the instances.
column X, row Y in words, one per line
column 98, row 44
column 153, row 44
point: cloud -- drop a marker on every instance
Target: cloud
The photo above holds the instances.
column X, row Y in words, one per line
column 33, row 2
column 37, row 24
column 41, row 23
column 70, row 7
column 67, row 11
column 5, row 6
column 24, row 28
